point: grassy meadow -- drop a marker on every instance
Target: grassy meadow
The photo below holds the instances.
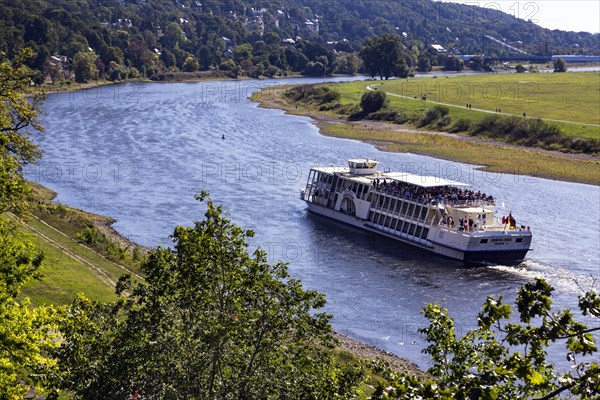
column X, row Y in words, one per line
column 65, row 275
column 73, row 265
column 572, row 97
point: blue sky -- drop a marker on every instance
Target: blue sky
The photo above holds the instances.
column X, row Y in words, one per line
column 569, row 15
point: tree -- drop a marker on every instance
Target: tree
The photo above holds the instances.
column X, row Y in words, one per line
column 25, row 330
column 519, row 68
column 233, row 70
column 210, row 321
column 242, row 52
column 348, row 64
column 508, row 360
column 424, row 64
column 191, row 64
column 385, row 57
column 84, row 66
column 372, row 101
column 454, row 64
column 560, row 65
column 18, row 120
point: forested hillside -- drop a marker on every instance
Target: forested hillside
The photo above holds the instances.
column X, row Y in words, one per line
column 314, row 37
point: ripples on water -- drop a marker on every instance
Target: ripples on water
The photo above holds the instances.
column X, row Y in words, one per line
column 140, row 152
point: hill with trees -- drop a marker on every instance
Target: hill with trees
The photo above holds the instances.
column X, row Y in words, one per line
column 117, row 39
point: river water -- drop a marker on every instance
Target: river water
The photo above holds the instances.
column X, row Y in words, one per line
column 139, row 152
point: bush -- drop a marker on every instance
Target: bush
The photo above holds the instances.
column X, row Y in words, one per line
column 433, row 114
column 400, row 118
column 373, row 101
column 533, row 132
column 383, row 115
column 461, row 125
column 133, row 73
column 319, row 94
column 444, row 121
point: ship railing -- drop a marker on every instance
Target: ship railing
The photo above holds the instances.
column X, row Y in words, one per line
column 485, row 228
column 402, row 194
column 468, row 203
column 427, row 199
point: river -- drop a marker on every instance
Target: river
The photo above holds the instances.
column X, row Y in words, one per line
column 139, row 152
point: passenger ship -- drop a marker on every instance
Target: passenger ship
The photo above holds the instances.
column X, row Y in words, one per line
column 438, row 215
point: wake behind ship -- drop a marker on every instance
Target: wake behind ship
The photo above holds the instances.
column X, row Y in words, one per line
column 438, row 215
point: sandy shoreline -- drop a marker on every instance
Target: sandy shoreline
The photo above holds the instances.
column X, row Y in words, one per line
column 364, row 350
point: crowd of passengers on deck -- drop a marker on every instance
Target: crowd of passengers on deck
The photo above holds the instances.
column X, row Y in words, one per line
column 431, row 194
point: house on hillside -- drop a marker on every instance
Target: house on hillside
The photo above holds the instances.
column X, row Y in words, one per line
column 438, row 48
column 312, row 26
column 60, row 66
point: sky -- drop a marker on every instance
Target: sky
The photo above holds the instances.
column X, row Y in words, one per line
column 566, row 15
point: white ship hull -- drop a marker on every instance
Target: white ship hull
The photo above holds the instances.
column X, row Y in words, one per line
column 504, row 256
column 415, row 218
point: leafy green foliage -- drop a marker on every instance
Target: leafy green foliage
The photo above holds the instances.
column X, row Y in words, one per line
column 210, row 321
column 26, row 333
column 503, row 359
column 18, row 119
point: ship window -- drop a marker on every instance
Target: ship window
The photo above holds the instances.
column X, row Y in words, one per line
column 411, row 208
column 519, row 240
column 483, row 241
column 425, row 233
column 412, row 229
column 371, row 213
column 417, row 211
column 404, row 206
column 418, row 232
column 398, row 205
column 423, row 212
column 395, row 223
column 405, row 227
column 392, row 204
column 381, row 219
column 387, row 221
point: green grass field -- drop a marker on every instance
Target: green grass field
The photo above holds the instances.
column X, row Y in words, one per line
column 64, row 276
column 572, row 97
column 70, row 266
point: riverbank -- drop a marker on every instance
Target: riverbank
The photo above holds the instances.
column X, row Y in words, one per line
column 493, row 156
